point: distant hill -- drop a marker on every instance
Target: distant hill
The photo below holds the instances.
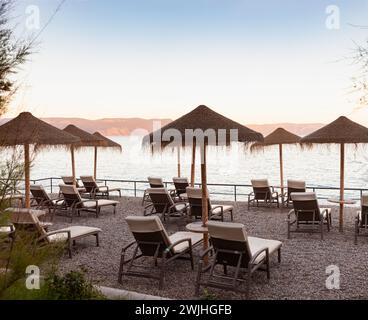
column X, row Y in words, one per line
column 301, row 129
column 125, row 126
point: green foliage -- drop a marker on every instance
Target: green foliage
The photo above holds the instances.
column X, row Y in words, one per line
column 71, row 286
column 13, row 53
column 207, row 295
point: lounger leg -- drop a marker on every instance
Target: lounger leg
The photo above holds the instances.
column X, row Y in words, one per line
column 114, row 209
column 268, row 265
column 321, row 225
column 191, row 258
column 97, row 240
column 249, row 281
column 120, row 275
column 162, row 272
column 199, row 275
column 70, row 249
column 279, row 255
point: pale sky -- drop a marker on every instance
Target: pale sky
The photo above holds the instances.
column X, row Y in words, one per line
column 253, row 61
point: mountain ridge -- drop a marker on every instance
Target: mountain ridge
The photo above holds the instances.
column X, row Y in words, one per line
column 136, row 125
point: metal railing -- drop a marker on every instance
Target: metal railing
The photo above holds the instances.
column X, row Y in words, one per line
column 233, row 192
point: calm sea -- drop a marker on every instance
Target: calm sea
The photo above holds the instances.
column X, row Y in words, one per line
column 318, row 167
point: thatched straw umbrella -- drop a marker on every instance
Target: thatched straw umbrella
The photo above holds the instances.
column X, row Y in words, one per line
column 85, row 140
column 202, row 119
column 278, row 137
column 27, row 130
column 342, row 131
column 107, row 144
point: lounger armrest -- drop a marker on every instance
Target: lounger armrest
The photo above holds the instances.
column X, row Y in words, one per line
column 357, row 217
column 204, row 253
column 128, row 246
column 292, row 211
column 251, row 194
column 173, row 245
column 322, row 212
column 151, row 205
column 258, row 253
column 56, row 232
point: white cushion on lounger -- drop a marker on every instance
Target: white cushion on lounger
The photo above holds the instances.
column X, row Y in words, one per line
column 102, row 189
column 218, row 209
column 195, row 237
column 325, row 211
column 256, row 244
column 75, row 232
column 180, row 206
column 100, row 203
column 5, row 229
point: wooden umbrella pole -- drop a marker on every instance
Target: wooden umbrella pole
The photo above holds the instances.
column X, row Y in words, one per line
column 95, row 165
column 192, row 170
column 179, row 163
column 27, row 176
column 342, row 179
column 281, row 172
column 73, row 164
column 204, row 197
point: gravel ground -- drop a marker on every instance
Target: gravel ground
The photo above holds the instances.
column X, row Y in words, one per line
column 301, row 274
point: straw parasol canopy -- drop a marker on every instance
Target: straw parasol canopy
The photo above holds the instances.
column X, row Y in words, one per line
column 340, row 131
column 278, row 137
column 205, row 120
column 85, row 140
column 107, row 144
column 28, row 130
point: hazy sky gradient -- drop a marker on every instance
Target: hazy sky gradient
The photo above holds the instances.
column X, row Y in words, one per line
column 254, row 61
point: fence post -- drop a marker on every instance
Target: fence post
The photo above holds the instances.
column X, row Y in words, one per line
column 51, row 184
column 235, row 195
column 135, row 189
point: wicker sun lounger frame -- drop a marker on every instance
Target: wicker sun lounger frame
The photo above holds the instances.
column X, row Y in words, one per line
column 231, row 248
column 162, row 203
column 361, row 220
column 263, row 193
column 94, row 190
column 152, row 240
column 308, row 213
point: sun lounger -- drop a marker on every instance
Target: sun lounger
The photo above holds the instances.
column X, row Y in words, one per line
column 74, row 204
column 68, row 235
column 41, row 200
column 162, row 203
column 154, row 182
column 361, row 220
column 233, row 248
column 217, row 211
column 309, row 217
column 95, row 190
column 152, row 240
column 264, row 193
column 71, row 181
column 181, row 185
column 294, row 186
